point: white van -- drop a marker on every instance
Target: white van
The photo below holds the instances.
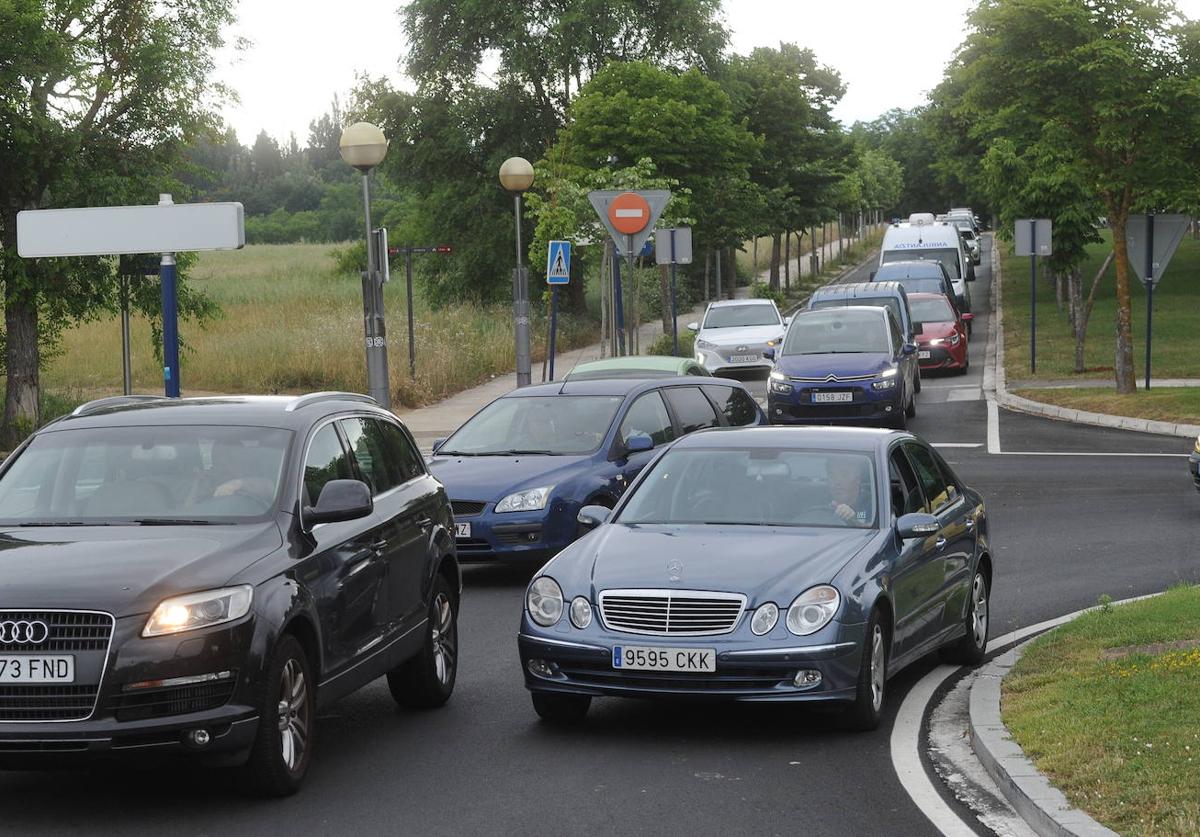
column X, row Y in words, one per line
column 908, row 242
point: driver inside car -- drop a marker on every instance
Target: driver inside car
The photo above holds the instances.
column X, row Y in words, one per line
column 848, row 489
column 232, row 474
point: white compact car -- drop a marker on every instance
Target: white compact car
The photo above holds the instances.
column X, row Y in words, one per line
column 735, row 332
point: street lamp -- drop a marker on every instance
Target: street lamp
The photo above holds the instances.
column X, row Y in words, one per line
column 516, row 175
column 363, row 146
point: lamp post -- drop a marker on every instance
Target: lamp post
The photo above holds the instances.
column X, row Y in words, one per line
column 516, row 175
column 363, row 146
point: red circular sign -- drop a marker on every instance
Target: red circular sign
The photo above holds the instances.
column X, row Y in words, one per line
column 629, row 213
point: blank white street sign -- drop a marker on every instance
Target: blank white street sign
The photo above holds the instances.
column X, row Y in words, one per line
column 1023, row 234
column 120, row 230
column 1168, row 232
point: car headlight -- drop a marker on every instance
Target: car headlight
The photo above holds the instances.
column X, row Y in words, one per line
column 813, row 609
column 199, row 610
column 764, row 619
column 953, row 339
column 937, row 341
column 704, row 344
column 544, row 601
column 889, row 373
column 1198, row 444
column 886, row 383
column 581, row 612
column 780, row 387
column 531, row 499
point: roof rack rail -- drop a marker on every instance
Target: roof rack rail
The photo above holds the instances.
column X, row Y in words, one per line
column 319, row 397
column 114, row 401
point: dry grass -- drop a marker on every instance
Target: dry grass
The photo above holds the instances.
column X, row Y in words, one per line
column 1118, row 737
column 290, row 324
column 1176, row 404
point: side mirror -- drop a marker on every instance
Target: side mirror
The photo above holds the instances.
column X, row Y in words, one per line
column 917, row 525
column 638, row 442
column 967, row 317
column 769, row 354
column 340, row 500
column 918, row 328
column 437, row 443
column 871, row 278
column 787, row 321
column 908, row 348
column 693, row 326
column 593, row 516
column 971, row 274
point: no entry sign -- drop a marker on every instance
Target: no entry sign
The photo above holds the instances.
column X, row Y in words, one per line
column 629, row 213
column 628, row 216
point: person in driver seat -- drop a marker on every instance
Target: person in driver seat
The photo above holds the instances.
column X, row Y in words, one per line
column 232, row 473
column 848, row 489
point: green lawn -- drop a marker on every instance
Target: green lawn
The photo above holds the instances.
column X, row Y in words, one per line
column 1176, row 343
column 1120, row 737
column 1176, row 404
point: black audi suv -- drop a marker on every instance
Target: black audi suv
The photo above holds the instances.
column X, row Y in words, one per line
column 200, row 576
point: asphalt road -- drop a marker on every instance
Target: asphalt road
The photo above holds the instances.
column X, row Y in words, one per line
column 1065, row 530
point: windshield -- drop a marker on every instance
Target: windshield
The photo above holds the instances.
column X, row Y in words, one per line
column 889, row 302
column 734, row 316
column 948, row 256
column 931, row 310
column 560, row 425
column 838, row 330
column 756, row 487
column 114, row 475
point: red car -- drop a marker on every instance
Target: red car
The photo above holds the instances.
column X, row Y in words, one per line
column 942, row 336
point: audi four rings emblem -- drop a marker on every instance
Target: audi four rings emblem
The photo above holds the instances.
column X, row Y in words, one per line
column 22, row 632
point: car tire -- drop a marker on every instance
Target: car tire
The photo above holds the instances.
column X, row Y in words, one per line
column 970, row 649
column 554, row 708
column 966, row 367
column 282, row 749
column 870, row 689
column 427, row 680
column 917, row 382
column 911, row 410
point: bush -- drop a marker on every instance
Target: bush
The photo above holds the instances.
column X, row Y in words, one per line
column 664, row 345
column 762, row 290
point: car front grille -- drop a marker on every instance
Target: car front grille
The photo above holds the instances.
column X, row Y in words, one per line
column 601, row 675
column 671, row 612
column 466, row 508
column 172, row 700
column 84, row 634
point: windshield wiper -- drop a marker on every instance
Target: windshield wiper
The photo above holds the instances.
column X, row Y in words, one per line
column 515, row 452
column 59, row 523
column 172, row 521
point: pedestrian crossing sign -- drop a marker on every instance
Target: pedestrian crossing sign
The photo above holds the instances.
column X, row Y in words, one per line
column 558, row 263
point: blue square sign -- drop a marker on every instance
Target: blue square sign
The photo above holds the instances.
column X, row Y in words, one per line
column 558, row 263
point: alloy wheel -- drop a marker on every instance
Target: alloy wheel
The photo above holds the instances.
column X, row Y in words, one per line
column 877, row 668
column 979, row 615
column 293, row 714
column 445, row 645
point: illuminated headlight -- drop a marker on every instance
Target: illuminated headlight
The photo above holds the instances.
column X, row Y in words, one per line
column 889, row 373
column 812, row 610
column 937, row 341
column 1197, row 448
column 581, row 612
column 778, row 340
column 704, row 344
column 544, row 601
column 764, row 619
column 531, row 499
column 199, row 610
column 780, row 387
column 886, row 383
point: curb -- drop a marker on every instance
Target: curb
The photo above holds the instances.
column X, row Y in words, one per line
column 1043, row 807
column 1024, row 405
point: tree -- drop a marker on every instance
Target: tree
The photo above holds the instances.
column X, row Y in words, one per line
column 1116, row 83
column 97, row 101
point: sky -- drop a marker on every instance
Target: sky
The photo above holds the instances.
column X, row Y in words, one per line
column 890, row 53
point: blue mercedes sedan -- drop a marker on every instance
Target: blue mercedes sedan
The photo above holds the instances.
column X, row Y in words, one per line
column 844, row 366
column 519, row 470
column 764, row 564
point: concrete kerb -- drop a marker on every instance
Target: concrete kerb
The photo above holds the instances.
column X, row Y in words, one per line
column 1025, row 405
column 1040, row 804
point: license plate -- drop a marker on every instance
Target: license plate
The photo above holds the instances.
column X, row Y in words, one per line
column 922, row 355
column 30, row 669
column 832, row 397
column 462, row 530
column 641, row 658
column 744, row 358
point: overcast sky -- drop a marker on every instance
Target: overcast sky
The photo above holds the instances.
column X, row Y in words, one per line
column 890, row 52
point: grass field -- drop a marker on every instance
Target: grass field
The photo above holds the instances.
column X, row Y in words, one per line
column 1117, row 733
column 289, row 323
column 1176, row 338
column 1176, row 404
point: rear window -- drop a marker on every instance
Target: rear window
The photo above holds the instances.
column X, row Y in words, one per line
column 898, row 272
column 889, row 302
column 922, row 286
column 948, row 256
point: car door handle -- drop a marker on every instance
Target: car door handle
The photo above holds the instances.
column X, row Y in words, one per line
column 941, row 542
column 379, row 546
column 970, row 524
column 424, row 521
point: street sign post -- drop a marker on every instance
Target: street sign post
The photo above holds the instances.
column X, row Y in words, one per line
column 629, row 217
column 673, row 246
column 1033, row 237
column 558, row 272
column 408, row 281
column 165, row 228
column 1150, row 241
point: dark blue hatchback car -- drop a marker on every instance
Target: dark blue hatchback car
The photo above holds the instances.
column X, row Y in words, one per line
column 844, row 366
column 519, row 470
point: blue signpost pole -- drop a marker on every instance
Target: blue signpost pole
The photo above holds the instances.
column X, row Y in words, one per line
column 618, row 304
column 674, row 313
column 1149, row 290
column 170, row 325
column 1033, row 296
column 553, row 325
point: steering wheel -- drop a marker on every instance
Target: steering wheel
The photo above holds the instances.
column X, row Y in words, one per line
column 826, row 511
column 705, row 504
column 263, row 505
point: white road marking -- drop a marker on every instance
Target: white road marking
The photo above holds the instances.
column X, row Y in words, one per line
column 906, row 732
column 993, row 426
column 1084, row 453
column 965, row 394
column 957, row 444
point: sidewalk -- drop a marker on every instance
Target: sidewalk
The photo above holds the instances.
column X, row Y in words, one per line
column 1084, row 383
column 801, row 265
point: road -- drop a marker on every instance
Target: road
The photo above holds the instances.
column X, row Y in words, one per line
column 1065, row 529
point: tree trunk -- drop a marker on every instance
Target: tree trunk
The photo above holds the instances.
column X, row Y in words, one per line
column 1083, row 310
column 1126, row 383
column 22, row 411
column 776, row 249
column 787, row 261
column 1059, row 289
column 664, row 295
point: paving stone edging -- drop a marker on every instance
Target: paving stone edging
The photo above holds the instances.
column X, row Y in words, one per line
column 1043, row 807
column 1037, row 408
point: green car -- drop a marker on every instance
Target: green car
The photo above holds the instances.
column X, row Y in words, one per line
column 637, row 367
